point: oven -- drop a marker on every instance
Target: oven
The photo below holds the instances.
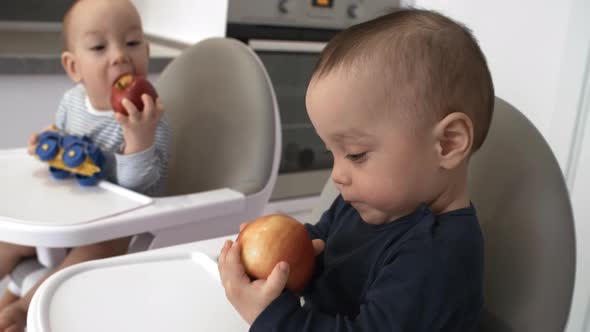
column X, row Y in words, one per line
column 288, row 36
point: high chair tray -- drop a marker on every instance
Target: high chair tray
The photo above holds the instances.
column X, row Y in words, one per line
column 155, row 291
column 29, row 194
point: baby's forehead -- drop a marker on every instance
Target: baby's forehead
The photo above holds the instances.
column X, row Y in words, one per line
column 89, row 16
column 369, row 80
column 378, row 97
column 91, row 11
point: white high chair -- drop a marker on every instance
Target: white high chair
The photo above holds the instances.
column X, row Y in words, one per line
column 224, row 161
column 523, row 207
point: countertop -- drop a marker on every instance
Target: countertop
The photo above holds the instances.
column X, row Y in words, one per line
column 35, row 48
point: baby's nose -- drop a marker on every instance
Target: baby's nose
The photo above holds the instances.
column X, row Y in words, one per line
column 339, row 176
column 120, row 56
column 121, row 59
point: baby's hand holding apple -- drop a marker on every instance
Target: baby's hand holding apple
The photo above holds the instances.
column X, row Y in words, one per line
column 138, row 111
column 139, row 127
column 131, row 87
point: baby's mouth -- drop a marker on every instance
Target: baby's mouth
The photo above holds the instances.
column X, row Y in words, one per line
column 120, row 76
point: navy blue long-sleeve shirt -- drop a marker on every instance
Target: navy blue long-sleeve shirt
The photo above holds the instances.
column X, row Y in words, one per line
column 422, row 272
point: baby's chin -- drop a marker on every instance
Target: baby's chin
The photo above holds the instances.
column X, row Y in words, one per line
column 372, row 216
column 371, row 220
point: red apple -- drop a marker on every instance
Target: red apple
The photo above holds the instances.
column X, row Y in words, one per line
column 131, row 87
column 271, row 239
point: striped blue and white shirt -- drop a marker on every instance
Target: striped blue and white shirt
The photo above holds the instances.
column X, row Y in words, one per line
column 144, row 171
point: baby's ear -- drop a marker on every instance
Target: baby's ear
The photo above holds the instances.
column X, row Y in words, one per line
column 454, row 139
column 68, row 61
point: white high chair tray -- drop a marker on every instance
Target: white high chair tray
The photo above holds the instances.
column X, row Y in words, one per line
column 155, row 291
column 29, row 194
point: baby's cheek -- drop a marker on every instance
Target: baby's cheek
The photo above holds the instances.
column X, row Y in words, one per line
column 388, row 197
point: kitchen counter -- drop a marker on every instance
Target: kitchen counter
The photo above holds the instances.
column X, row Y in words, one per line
column 35, row 48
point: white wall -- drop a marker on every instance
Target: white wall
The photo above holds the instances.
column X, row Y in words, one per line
column 29, row 105
column 580, row 194
column 524, row 44
column 575, row 73
column 571, row 111
column 537, row 52
column 186, row 21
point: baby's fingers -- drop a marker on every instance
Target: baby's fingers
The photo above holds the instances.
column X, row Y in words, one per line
column 277, row 280
column 132, row 111
column 222, row 255
column 148, row 103
column 5, row 322
column 233, row 275
column 32, row 144
column 14, row 328
column 153, row 109
column 31, row 150
column 122, row 119
column 318, row 246
column 243, row 225
column 159, row 105
column 33, row 139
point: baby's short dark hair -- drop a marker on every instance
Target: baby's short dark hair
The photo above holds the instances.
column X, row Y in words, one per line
column 432, row 65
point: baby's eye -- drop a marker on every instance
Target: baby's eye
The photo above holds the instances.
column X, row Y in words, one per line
column 133, row 42
column 356, row 157
column 99, row 47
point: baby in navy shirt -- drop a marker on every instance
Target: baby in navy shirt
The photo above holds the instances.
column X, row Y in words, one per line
column 401, row 102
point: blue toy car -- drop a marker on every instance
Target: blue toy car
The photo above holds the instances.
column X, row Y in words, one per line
column 70, row 154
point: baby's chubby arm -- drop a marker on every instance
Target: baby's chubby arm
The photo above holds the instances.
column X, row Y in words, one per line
column 142, row 162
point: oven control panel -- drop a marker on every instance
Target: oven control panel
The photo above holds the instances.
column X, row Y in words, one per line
column 318, row 14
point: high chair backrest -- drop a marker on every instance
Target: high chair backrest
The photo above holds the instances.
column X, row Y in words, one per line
column 523, row 206
column 525, row 213
column 221, row 109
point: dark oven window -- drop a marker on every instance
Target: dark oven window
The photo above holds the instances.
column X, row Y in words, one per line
column 290, row 73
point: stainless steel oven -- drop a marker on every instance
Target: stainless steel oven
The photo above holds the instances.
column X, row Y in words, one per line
column 288, row 36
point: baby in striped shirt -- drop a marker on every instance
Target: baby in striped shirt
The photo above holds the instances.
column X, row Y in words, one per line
column 103, row 39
